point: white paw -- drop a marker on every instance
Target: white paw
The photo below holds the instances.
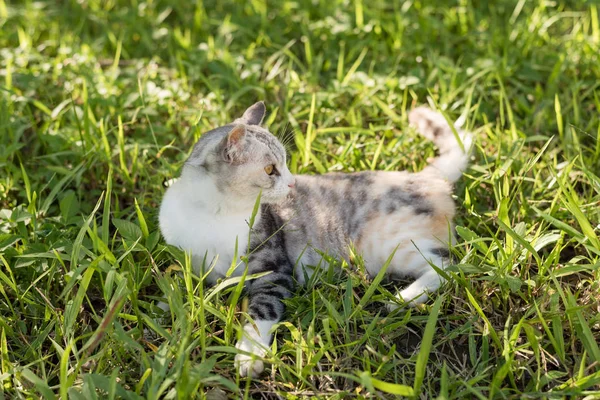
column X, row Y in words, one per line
column 250, row 364
column 406, row 300
column 247, row 366
column 394, row 306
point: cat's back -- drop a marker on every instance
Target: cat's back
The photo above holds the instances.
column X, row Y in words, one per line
column 373, row 210
column 349, row 195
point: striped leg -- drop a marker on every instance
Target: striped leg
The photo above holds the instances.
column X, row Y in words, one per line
column 266, row 309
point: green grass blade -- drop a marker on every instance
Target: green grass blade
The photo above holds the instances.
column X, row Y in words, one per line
column 426, row 345
column 77, row 244
column 39, row 384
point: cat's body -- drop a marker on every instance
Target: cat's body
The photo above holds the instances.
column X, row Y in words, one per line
column 372, row 227
column 374, row 212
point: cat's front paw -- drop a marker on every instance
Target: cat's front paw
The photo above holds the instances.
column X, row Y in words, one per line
column 250, row 364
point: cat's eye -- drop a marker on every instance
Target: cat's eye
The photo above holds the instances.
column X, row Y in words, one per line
column 270, row 169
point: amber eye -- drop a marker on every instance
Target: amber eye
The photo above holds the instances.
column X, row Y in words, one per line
column 270, row 169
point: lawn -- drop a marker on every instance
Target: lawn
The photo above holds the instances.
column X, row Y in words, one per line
column 101, row 101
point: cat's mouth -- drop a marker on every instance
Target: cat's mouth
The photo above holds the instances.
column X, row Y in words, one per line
column 277, row 197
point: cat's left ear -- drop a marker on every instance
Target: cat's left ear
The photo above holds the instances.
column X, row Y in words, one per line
column 253, row 115
column 234, row 143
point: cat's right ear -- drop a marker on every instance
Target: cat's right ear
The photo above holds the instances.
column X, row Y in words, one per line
column 234, row 143
column 253, row 115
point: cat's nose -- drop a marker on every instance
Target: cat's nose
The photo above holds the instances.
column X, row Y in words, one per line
column 292, row 184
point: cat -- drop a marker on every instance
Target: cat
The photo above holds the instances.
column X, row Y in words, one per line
column 207, row 211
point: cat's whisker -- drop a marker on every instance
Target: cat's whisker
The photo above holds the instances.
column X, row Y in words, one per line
column 286, row 137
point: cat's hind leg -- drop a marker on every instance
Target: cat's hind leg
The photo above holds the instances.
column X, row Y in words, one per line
column 418, row 291
column 426, row 283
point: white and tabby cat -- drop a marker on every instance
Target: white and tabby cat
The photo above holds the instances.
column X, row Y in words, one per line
column 209, row 207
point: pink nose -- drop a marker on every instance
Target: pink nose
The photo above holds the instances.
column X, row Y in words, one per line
column 292, row 184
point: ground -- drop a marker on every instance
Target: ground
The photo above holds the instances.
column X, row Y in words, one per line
column 100, row 103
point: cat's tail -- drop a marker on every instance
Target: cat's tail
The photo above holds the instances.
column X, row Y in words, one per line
column 453, row 158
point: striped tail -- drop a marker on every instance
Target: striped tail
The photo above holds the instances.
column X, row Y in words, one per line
column 452, row 159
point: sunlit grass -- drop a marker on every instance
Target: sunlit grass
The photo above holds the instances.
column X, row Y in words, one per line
column 101, row 101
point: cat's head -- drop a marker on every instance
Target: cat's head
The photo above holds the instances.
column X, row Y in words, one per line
column 243, row 159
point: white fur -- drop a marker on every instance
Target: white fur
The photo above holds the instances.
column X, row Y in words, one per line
column 452, row 164
column 195, row 217
column 453, row 159
column 255, row 340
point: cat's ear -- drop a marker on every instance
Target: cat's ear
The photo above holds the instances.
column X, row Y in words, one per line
column 253, row 115
column 234, row 143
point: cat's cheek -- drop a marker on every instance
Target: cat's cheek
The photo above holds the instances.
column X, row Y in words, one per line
column 275, row 193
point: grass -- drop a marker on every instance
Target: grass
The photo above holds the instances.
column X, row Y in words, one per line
column 101, row 100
